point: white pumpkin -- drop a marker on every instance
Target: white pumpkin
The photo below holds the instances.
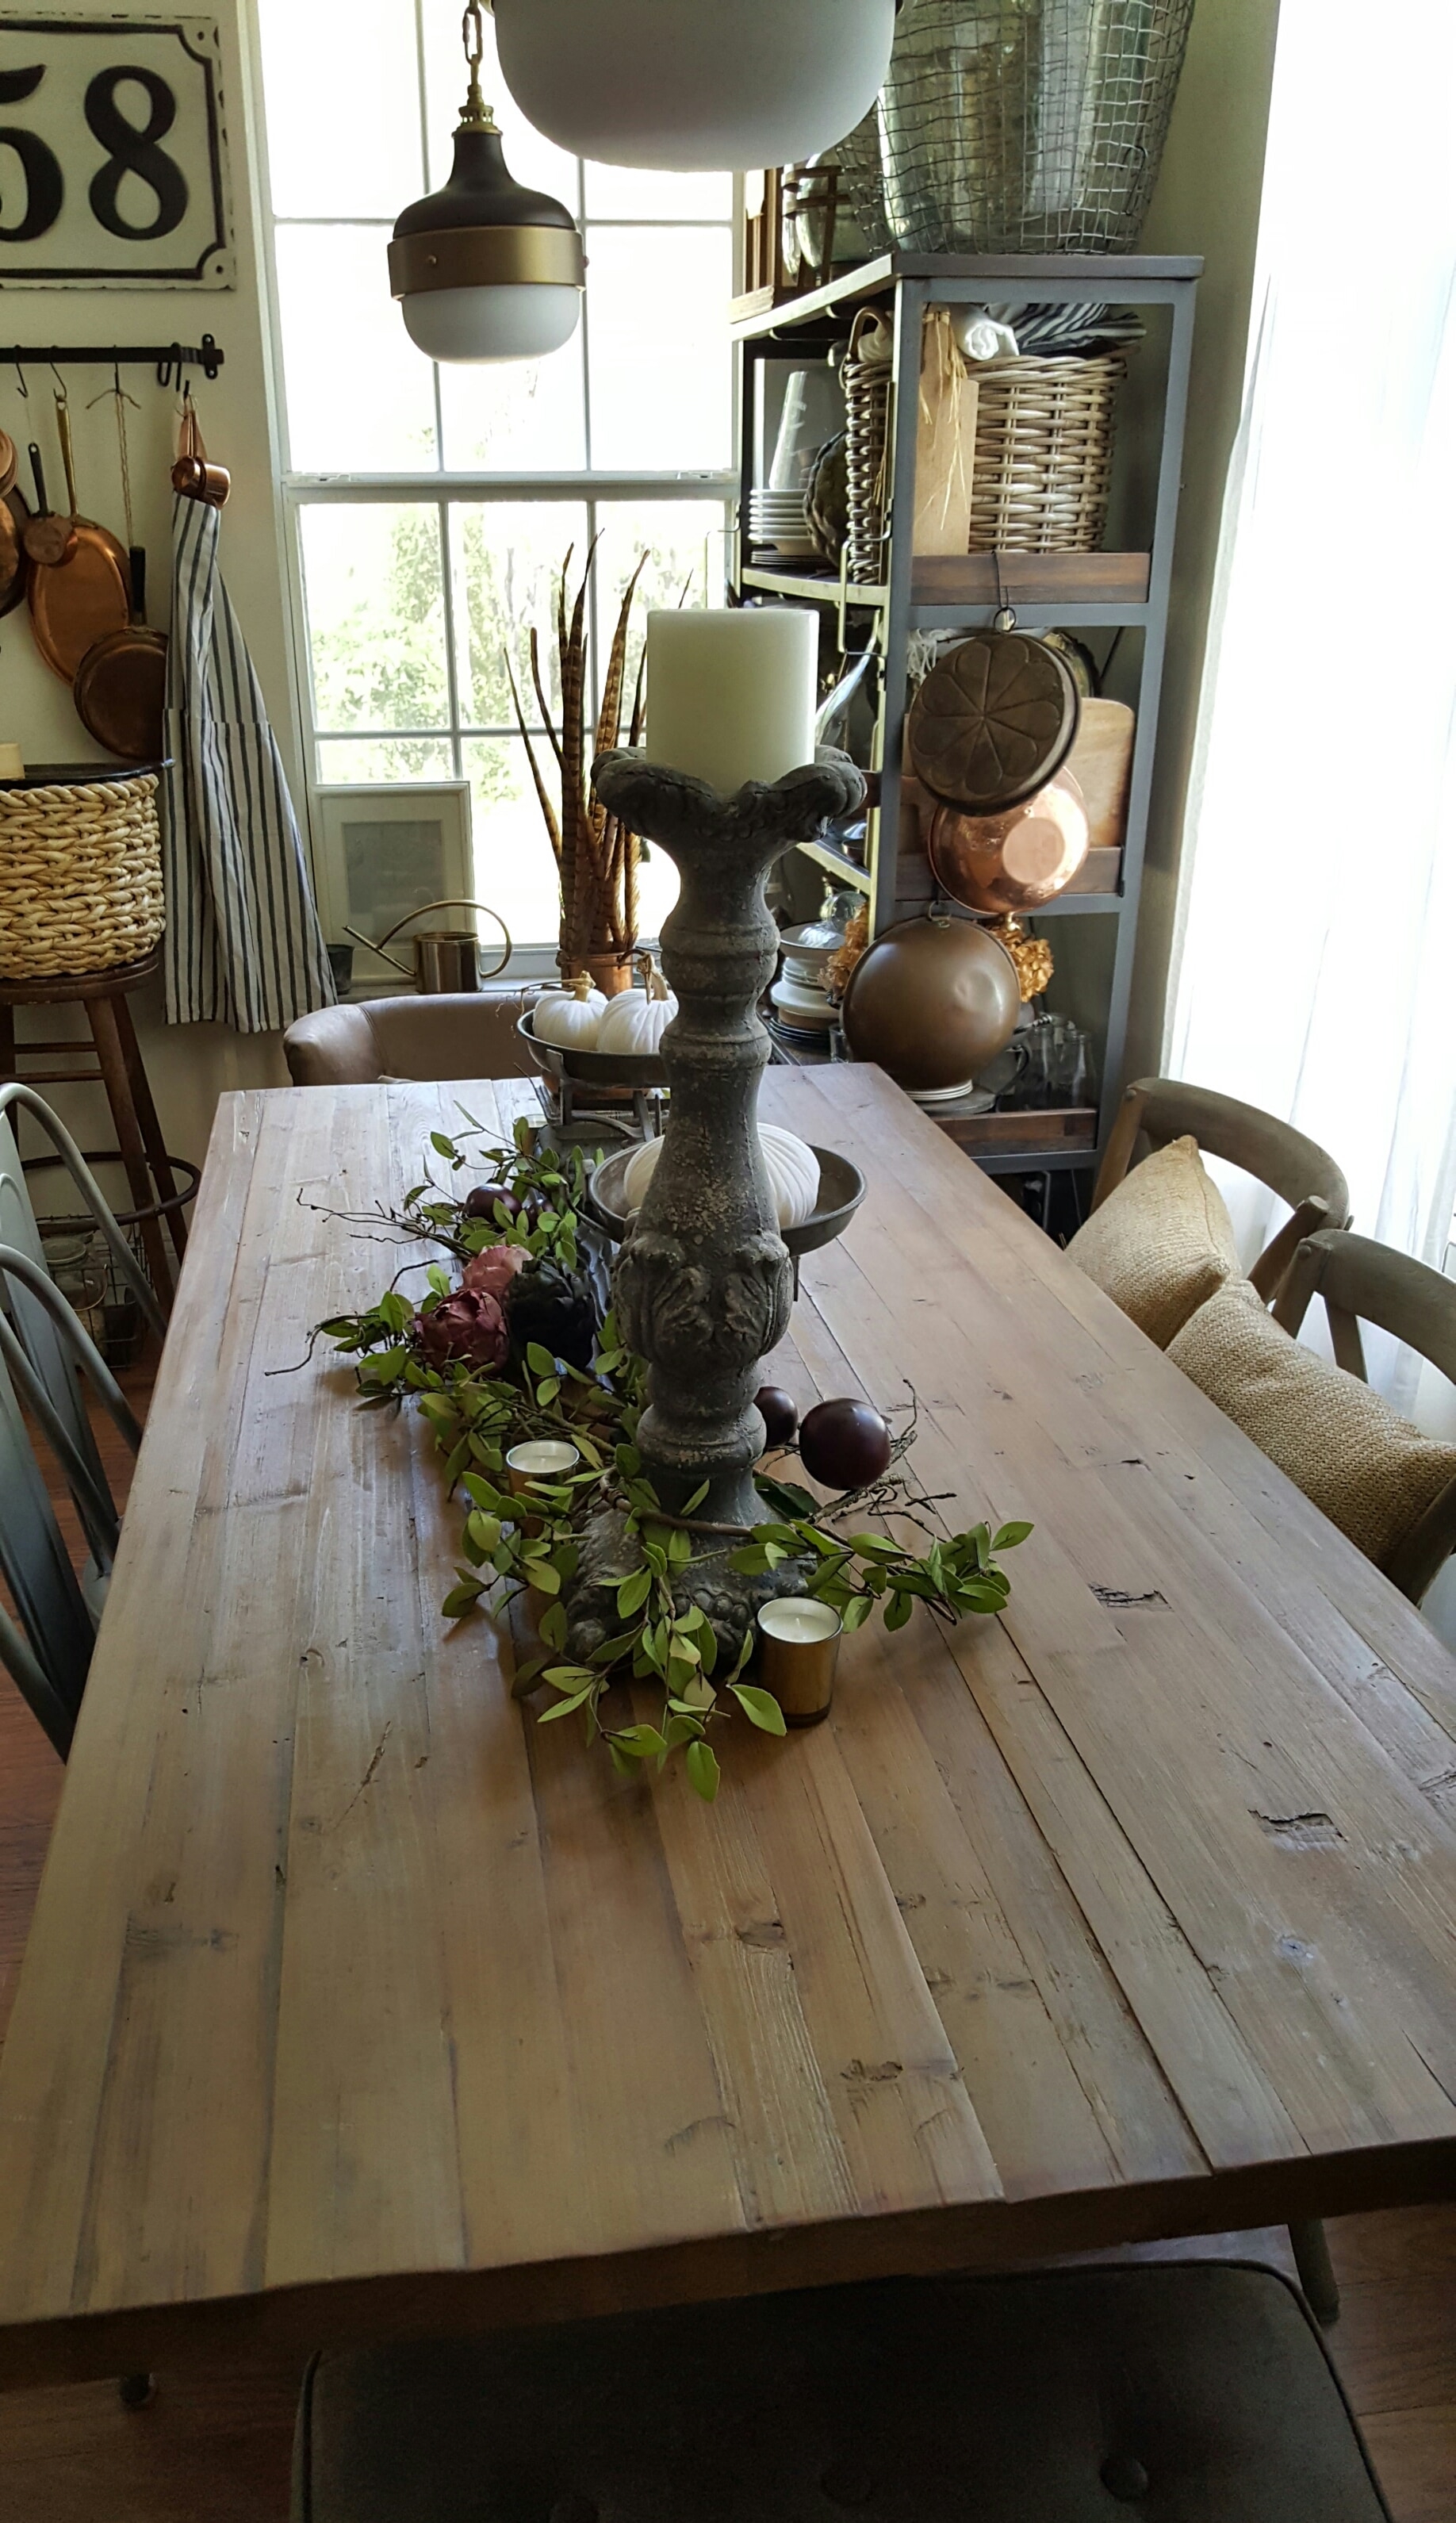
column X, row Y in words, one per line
column 570, row 1018
column 794, row 1173
column 636, row 1021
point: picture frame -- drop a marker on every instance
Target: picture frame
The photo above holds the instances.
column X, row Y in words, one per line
column 385, row 849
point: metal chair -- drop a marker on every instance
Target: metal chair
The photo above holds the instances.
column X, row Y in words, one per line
column 1296, row 1169
column 1361, row 1280
column 47, row 1651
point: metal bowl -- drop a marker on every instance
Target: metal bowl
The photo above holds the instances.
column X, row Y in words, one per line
column 627, row 1069
column 841, row 1188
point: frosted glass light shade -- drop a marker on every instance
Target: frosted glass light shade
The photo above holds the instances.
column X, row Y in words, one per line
column 695, row 83
column 522, row 322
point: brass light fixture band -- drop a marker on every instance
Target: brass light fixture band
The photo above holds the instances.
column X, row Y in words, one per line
column 482, row 258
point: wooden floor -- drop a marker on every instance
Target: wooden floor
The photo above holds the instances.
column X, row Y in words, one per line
column 217, row 2445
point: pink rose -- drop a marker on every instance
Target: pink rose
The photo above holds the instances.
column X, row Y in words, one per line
column 490, row 1272
column 468, row 1325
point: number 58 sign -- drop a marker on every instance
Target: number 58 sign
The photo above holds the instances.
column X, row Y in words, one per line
column 112, row 154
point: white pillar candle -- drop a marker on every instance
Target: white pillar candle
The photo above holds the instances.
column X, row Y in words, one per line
column 798, row 1619
column 731, row 696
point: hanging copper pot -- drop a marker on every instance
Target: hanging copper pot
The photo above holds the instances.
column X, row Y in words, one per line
column 932, row 1002
column 14, row 566
column 1017, row 860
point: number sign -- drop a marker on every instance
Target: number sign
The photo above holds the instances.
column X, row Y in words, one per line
column 112, row 154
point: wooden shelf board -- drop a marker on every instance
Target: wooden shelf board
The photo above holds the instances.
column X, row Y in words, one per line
column 824, row 855
column 1018, row 1133
column 1029, row 578
column 817, row 585
column 965, row 275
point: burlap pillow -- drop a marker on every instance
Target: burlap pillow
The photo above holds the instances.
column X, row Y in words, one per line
column 1161, row 1241
column 1369, row 1470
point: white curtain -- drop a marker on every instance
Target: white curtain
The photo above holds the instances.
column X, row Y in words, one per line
column 1314, row 969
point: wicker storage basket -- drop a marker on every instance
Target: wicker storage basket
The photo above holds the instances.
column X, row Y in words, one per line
column 1044, row 453
column 866, row 403
column 80, row 878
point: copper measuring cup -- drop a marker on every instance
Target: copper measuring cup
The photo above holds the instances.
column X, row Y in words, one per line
column 192, row 475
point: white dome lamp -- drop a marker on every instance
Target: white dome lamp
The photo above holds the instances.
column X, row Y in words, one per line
column 484, row 269
column 695, row 83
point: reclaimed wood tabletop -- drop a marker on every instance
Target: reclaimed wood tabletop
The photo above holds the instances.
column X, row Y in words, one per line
column 358, row 2005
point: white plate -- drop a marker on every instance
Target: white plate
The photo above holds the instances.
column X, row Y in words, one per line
column 976, row 1099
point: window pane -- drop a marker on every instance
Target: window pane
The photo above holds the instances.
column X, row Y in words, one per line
column 683, row 540
column 532, row 159
column 342, row 106
column 375, row 596
column 375, row 762
column 523, row 416
column 642, row 193
column 507, row 561
column 658, row 346
column 361, row 396
column 515, row 872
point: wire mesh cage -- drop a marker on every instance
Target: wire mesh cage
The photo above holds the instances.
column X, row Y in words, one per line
column 1019, row 126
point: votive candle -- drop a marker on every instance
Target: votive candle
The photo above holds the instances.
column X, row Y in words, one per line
column 799, row 1650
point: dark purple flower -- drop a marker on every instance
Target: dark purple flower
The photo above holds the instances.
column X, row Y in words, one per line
column 468, row 1325
column 490, row 1272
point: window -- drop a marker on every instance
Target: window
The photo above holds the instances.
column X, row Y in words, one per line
column 433, row 507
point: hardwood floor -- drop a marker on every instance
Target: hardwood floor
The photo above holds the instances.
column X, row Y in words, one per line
column 218, row 2444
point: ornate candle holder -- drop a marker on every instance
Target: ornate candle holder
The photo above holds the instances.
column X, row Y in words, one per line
column 704, row 1282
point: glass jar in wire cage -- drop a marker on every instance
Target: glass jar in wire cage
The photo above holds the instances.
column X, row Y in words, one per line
column 1022, row 126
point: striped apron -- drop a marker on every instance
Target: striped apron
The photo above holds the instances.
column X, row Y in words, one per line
column 243, row 939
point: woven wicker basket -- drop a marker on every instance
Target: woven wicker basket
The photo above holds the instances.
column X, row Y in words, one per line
column 1044, row 453
column 1043, row 457
column 866, row 404
column 80, row 878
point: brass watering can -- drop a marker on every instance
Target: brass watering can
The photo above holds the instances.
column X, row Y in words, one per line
column 445, row 959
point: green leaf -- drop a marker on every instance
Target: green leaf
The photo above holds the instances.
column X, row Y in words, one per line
column 546, row 1392
column 444, row 1147
column 624, row 1764
column 544, row 1575
column 570, row 1677
column 897, row 1611
column 1012, row 1535
column 539, row 1360
column 786, row 1497
column 462, row 1598
column 487, row 1496
column 679, row 1548
column 484, row 1530
column 760, row 1707
column 745, row 1651
column 439, row 1279
column 695, row 1692
column 629, row 1463
column 564, row 1707
column 458, row 1458
column 632, row 1592
column 552, row 1626
column 342, row 1327
column 702, row 1770
column 643, row 1741
column 855, row 1612
column 690, row 1505
column 876, row 1546
column 680, row 1729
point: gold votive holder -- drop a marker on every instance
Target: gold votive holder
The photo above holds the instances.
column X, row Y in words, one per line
column 798, row 1651
column 541, row 1459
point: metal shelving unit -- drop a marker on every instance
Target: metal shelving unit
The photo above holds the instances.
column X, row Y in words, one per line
column 1123, row 591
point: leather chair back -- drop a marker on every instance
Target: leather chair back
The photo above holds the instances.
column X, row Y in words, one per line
column 466, row 1034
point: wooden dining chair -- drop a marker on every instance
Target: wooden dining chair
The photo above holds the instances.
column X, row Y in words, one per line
column 1296, row 1169
column 1362, row 1281
column 1191, row 2388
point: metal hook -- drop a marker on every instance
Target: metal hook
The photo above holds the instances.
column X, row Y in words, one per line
column 1005, row 614
column 20, row 378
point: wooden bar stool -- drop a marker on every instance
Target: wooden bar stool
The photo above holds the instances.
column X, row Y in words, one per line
column 151, row 1173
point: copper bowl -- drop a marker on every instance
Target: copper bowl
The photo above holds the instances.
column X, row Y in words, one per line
column 1017, row 860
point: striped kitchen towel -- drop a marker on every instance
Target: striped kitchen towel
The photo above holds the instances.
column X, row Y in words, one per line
column 243, row 943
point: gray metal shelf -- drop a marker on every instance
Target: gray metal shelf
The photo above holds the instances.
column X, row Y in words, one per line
column 908, row 284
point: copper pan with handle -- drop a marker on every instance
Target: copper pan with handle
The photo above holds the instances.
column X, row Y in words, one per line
column 76, row 601
column 14, row 566
column 120, row 683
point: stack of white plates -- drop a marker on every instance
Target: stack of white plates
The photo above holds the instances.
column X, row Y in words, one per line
column 775, row 521
column 799, row 994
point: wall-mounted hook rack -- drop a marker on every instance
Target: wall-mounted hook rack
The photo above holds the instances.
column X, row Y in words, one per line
column 171, row 359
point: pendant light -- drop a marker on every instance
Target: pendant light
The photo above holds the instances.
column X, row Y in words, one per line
column 695, row 83
column 484, row 269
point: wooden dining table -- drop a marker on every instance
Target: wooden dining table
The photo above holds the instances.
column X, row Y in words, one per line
column 360, row 2005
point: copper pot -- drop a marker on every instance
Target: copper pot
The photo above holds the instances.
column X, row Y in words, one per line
column 932, row 1002
column 1016, row 860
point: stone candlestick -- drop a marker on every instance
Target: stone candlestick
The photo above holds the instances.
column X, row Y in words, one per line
column 704, row 1282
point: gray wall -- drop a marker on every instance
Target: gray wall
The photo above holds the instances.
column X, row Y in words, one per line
column 1208, row 203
